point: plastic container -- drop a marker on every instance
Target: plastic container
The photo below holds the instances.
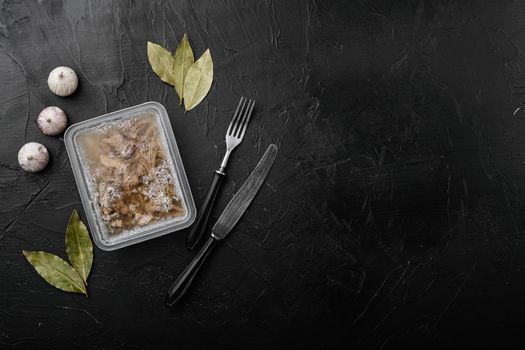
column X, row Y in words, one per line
column 130, row 176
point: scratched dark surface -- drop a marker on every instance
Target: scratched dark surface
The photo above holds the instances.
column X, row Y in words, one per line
column 393, row 214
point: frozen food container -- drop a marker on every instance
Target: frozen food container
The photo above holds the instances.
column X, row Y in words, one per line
column 130, row 176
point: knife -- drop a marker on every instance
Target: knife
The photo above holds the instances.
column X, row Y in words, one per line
column 229, row 217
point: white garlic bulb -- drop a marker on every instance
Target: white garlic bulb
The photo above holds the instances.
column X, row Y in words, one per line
column 52, row 120
column 33, row 157
column 62, row 81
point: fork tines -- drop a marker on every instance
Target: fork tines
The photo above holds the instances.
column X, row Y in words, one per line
column 241, row 118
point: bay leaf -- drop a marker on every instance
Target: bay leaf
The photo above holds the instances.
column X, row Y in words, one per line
column 78, row 246
column 198, row 81
column 56, row 271
column 161, row 61
column 183, row 61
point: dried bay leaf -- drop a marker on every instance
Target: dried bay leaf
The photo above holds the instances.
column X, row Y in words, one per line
column 198, row 81
column 162, row 62
column 56, row 271
column 183, row 61
column 78, row 246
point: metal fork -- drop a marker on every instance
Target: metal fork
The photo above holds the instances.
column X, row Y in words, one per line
column 234, row 137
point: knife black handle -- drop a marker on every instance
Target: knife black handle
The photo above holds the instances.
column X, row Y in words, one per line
column 181, row 284
column 199, row 227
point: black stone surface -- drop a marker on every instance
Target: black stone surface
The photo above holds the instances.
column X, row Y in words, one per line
column 392, row 217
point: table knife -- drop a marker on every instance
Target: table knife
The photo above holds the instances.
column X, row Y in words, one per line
column 229, row 217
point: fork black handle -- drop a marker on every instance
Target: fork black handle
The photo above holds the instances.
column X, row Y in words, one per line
column 182, row 283
column 201, row 223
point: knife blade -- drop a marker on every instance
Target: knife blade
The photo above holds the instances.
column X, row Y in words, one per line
column 244, row 196
column 229, row 217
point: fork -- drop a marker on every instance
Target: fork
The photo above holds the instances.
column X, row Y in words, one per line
column 234, row 136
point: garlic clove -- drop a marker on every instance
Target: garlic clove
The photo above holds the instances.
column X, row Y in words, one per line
column 33, row 157
column 62, row 81
column 52, row 120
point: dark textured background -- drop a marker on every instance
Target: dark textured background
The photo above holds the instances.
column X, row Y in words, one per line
column 393, row 214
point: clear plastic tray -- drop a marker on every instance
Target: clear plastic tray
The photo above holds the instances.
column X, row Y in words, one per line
column 90, row 181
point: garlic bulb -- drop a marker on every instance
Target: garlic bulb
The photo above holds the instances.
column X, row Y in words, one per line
column 33, row 157
column 62, row 81
column 52, row 120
